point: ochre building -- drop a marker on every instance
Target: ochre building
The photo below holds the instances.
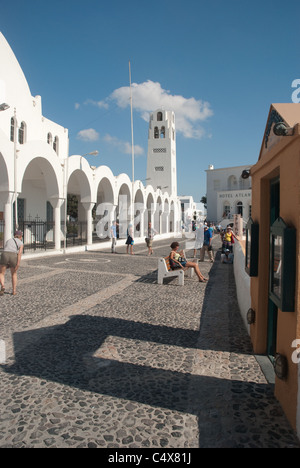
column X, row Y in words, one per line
column 275, row 301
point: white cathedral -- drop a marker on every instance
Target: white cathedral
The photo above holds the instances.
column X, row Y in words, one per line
column 37, row 175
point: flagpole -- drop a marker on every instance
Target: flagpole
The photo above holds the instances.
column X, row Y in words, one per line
column 132, row 146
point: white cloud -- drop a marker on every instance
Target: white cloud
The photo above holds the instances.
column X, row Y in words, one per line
column 149, row 96
column 88, row 135
column 100, row 104
column 123, row 146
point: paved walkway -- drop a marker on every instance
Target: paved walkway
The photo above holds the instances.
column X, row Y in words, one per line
column 100, row 355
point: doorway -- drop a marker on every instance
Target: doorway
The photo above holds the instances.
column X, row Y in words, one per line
column 272, row 308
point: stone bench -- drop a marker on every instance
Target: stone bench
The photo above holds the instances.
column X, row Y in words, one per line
column 165, row 271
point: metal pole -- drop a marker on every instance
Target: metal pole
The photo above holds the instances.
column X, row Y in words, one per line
column 132, row 148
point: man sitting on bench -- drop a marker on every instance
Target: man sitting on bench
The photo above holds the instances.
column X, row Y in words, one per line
column 176, row 261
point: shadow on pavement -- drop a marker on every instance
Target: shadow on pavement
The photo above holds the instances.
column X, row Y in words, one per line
column 230, row 412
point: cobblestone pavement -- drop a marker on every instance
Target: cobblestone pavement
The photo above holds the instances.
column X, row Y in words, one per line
column 100, row 355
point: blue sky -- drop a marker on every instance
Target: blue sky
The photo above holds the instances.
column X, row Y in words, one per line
column 219, row 64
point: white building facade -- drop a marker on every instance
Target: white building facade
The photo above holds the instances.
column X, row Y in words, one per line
column 228, row 193
column 161, row 161
column 37, row 171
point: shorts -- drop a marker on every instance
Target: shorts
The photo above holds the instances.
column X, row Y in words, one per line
column 9, row 259
column 129, row 241
column 149, row 242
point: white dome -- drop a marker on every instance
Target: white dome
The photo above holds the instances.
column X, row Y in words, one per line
column 14, row 88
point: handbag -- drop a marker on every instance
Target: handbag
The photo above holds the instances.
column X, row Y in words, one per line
column 173, row 265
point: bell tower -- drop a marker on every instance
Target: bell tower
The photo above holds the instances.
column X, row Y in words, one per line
column 161, row 160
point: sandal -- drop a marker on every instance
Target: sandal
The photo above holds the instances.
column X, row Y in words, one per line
column 2, row 291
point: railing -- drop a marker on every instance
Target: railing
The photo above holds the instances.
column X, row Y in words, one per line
column 76, row 233
column 39, row 235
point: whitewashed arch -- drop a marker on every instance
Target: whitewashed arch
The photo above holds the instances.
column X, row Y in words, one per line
column 123, row 202
column 172, row 217
column 150, row 193
column 158, row 213
column 80, row 178
column 139, row 209
column 47, row 158
column 165, row 214
column 105, row 187
column 105, row 179
column 6, row 165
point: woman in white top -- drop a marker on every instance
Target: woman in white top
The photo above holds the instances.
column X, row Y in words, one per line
column 10, row 258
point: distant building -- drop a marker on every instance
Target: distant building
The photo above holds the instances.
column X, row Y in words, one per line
column 191, row 211
column 228, row 193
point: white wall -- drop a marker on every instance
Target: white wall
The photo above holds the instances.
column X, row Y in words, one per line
column 242, row 281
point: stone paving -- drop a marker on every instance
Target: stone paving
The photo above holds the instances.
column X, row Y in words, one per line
column 99, row 355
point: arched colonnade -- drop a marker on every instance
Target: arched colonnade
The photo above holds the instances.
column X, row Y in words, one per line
column 44, row 182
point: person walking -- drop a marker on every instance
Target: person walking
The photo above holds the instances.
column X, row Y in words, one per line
column 11, row 258
column 129, row 240
column 207, row 247
column 113, row 235
column 228, row 238
column 227, row 256
column 149, row 239
column 199, row 237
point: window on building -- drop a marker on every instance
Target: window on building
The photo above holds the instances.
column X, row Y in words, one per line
column 55, row 144
column 12, row 129
column 159, row 168
column 22, row 133
column 49, row 138
column 159, row 150
column 239, row 207
column 232, row 183
column 156, row 134
column 226, row 211
column 217, row 185
column 159, row 116
column 162, row 132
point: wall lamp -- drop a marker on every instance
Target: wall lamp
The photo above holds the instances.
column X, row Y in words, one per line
column 251, row 316
column 280, row 366
column 4, row 106
column 281, row 129
column 246, row 174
